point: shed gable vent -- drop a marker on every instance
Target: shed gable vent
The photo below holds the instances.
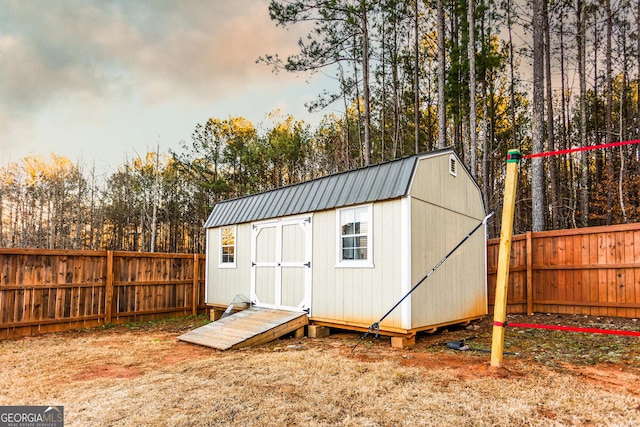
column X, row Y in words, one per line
column 453, row 166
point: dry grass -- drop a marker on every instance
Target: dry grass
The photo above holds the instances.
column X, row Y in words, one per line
column 141, row 376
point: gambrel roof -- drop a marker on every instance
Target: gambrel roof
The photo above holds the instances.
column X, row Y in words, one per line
column 383, row 181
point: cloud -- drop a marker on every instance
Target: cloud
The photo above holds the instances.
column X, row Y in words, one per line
column 53, row 54
column 158, row 49
column 97, row 78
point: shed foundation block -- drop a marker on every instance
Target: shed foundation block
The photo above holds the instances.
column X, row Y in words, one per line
column 317, row 331
column 215, row 314
column 402, row 342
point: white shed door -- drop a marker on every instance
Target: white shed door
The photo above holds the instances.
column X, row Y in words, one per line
column 281, row 264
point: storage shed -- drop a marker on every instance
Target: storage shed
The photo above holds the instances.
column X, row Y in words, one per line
column 346, row 247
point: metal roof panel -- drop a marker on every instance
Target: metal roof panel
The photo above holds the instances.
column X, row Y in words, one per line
column 383, row 181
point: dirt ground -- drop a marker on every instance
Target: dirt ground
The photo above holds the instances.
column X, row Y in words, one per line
column 141, row 375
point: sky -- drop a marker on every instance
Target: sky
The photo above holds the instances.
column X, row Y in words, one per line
column 103, row 81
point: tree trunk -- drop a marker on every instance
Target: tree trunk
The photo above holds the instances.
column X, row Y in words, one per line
column 362, row 149
column 396, row 94
column 564, row 173
column 156, row 197
column 537, row 169
column 599, row 155
column 416, row 82
column 608, row 119
column 471, row 49
column 442, row 110
column 485, row 123
column 622, row 115
column 365, row 83
column 512, row 84
column 551, row 161
column 584, row 160
column 347, row 124
column 456, row 98
column 383, row 101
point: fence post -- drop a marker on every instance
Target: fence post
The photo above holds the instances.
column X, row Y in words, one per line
column 504, row 257
column 196, row 285
column 108, row 294
column 529, row 249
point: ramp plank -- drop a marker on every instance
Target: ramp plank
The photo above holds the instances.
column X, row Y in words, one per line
column 251, row 327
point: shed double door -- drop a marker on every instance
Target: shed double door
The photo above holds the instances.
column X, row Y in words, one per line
column 281, row 264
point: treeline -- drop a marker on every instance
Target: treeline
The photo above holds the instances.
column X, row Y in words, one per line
column 158, row 202
column 413, row 76
column 486, row 76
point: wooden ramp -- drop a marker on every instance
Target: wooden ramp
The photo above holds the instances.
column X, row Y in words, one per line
column 246, row 328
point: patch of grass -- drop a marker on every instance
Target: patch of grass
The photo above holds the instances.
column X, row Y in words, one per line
column 556, row 347
column 171, row 323
column 149, row 378
column 550, row 347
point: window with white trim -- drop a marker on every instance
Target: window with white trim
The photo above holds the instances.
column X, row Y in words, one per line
column 354, row 234
column 228, row 246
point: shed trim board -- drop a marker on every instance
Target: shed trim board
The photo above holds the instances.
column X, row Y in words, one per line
column 405, row 251
column 418, row 211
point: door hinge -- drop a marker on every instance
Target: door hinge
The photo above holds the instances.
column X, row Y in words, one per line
column 307, row 264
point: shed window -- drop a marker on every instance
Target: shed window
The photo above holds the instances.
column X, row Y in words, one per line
column 228, row 246
column 354, row 235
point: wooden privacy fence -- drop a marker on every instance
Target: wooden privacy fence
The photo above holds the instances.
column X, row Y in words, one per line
column 592, row 271
column 51, row 290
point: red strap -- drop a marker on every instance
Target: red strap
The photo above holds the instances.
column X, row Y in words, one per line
column 571, row 329
column 573, row 150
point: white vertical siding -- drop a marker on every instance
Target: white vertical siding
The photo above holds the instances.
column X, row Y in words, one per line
column 353, row 295
column 223, row 284
column 405, row 260
column 457, row 290
column 445, row 209
column 434, row 184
